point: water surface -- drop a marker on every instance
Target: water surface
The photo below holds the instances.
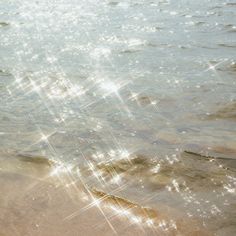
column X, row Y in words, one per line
column 139, row 96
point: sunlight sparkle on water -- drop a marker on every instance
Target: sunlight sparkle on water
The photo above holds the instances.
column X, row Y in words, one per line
column 109, row 87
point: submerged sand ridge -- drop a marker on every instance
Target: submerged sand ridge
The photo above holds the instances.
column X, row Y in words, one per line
column 37, row 200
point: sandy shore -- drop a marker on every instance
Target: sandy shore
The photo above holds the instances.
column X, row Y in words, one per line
column 34, row 202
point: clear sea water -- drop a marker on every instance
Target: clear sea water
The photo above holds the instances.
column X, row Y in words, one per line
column 99, row 80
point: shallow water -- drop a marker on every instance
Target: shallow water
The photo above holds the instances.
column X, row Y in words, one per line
column 139, row 96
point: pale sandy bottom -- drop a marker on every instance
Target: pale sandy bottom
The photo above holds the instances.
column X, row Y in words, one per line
column 34, row 203
column 33, row 207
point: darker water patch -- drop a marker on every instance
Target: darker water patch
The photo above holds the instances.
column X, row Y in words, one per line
column 142, row 100
column 4, row 24
column 230, row 28
column 198, row 23
column 5, row 73
column 190, row 171
column 207, row 157
column 35, row 159
column 232, row 66
column 113, row 3
column 228, row 67
column 230, row 4
column 221, row 155
column 225, row 112
column 130, row 51
column 225, row 45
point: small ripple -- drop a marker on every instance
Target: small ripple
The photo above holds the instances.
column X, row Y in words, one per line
column 4, row 24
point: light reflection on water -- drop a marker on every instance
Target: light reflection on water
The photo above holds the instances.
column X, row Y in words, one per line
column 91, row 82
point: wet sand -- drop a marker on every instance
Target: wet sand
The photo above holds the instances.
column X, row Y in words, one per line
column 36, row 201
column 34, row 207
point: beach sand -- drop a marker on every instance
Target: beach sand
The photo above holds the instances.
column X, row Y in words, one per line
column 34, row 201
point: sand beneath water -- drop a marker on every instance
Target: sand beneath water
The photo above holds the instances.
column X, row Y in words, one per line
column 35, row 202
